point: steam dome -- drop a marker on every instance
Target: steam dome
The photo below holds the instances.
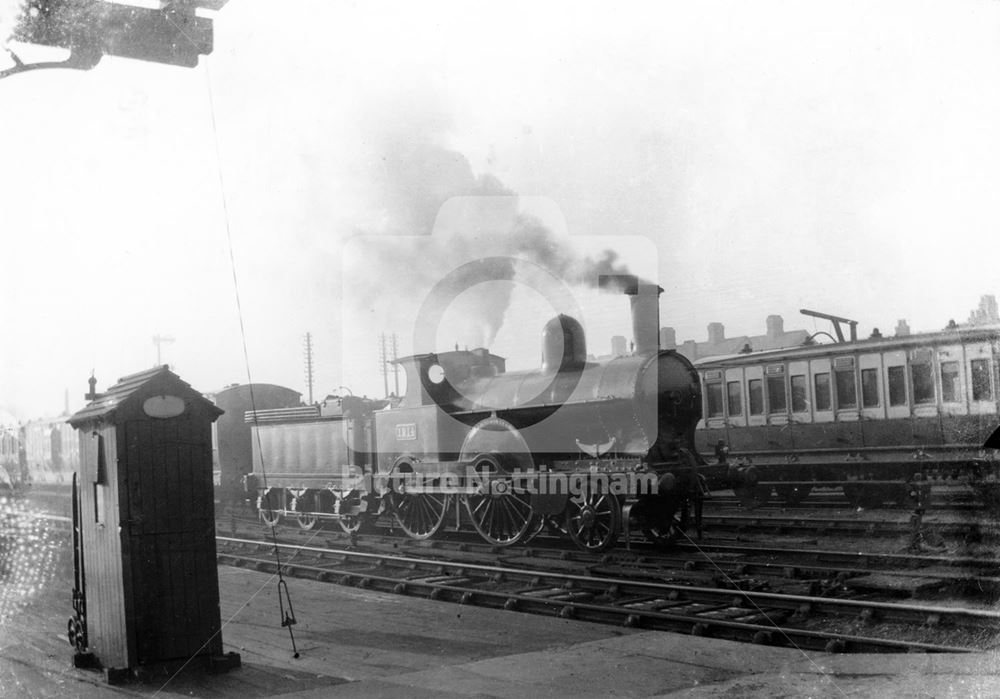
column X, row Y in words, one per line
column 563, row 344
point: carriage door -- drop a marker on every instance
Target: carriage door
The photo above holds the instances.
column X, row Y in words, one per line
column 982, row 392
column 951, row 370
column 170, row 537
column 897, row 399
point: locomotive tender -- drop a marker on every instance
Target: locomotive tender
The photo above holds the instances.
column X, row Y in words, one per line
column 586, row 447
column 868, row 415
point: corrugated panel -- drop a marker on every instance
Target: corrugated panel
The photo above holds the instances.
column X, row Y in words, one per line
column 303, row 448
column 308, row 412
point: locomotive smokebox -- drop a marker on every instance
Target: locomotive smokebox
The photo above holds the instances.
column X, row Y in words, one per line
column 644, row 298
column 564, row 345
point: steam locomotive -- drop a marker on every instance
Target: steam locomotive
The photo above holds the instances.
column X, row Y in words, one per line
column 582, row 447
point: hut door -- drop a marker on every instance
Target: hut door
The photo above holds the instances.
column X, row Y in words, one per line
column 169, row 533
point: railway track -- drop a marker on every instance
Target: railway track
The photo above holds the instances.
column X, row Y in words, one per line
column 781, row 596
column 531, row 584
column 694, row 560
column 785, row 524
column 837, row 502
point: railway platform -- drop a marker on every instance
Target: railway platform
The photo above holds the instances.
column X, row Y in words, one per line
column 361, row 643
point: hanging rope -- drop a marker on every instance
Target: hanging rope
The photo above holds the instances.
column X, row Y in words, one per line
column 287, row 618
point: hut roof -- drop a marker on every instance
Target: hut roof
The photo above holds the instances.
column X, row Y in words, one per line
column 125, row 392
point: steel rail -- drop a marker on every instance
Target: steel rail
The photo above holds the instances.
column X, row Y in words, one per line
column 625, row 612
column 791, row 563
column 834, row 525
column 900, row 558
column 883, row 610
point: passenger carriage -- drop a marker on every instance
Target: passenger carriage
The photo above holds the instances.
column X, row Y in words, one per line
column 860, row 414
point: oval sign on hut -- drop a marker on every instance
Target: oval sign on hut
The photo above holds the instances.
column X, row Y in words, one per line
column 163, row 406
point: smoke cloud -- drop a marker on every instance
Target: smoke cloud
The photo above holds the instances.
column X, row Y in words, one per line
column 458, row 224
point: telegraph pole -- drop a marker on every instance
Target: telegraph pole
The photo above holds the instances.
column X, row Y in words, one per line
column 383, row 363
column 160, row 340
column 395, row 366
column 309, row 365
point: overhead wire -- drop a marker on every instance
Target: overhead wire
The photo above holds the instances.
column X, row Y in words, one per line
column 287, row 616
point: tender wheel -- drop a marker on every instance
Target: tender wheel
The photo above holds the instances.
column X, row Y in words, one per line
column 500, row 515
column 594, row 521
column 350, row 524
column 307, row 504
column 752, row 496
column 420, row 515
column 268, row 506
column 660, row 520
column 793, row 494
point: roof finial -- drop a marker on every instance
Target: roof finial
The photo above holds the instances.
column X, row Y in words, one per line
column 92, row 395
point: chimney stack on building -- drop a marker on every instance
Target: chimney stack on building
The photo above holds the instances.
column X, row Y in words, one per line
column 902, row 328
column 619, row 346
column 668, row 338
column 716, row 333
column 987, row 313
column 775, row 327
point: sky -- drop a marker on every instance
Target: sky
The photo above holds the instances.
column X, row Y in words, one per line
column 342, row 160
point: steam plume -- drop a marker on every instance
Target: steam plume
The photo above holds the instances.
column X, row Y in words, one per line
column 417, row 179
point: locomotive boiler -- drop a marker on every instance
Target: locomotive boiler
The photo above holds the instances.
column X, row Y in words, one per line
column 580, row 446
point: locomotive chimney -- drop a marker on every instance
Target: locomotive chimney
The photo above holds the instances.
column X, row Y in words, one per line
column 644, row 298
column 645, row 301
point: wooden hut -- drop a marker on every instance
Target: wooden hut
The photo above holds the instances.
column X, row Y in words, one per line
column 147, row 524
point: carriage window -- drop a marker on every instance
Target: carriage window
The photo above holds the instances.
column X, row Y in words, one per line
column 735, row 397
column 897, row 385
column 799, row 400
column 776, row 399
column 923, row 383
column 949, row 382
column 756, row 387
column 847, row 395
column 981, row 388
column 822, row 382
column 714, row 394
column 869, row 388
